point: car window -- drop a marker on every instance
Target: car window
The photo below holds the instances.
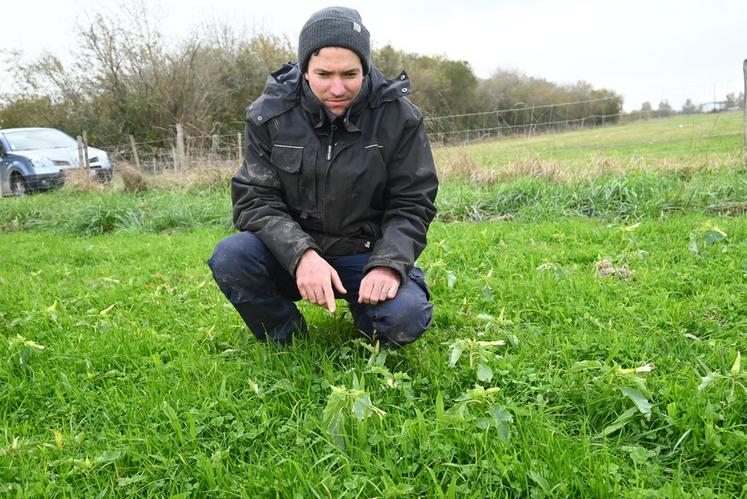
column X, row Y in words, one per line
column 27, row 140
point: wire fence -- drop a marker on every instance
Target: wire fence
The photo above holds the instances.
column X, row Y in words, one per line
column 523, row 119
column 180, row 153
column 185, row 152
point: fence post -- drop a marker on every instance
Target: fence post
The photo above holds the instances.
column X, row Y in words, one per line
column 744, row 105
column 82, row 153
column 531, row 124
column 85, row 148
column 551, row 125
column 241, row 151
column 134, row 152
column 214, row 145
column 179, row 156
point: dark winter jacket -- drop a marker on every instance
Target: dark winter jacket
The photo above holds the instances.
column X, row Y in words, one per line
column 364, row 181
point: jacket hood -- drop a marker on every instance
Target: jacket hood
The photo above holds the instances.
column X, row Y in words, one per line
column 284, row 87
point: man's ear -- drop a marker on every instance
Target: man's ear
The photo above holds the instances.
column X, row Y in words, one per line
column 306, row 75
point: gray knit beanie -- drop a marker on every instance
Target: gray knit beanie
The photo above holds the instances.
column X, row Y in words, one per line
column 334, row 27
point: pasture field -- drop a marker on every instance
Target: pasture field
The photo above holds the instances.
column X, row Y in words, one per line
column 587, row 341
column 683, row 138
column 680, row 143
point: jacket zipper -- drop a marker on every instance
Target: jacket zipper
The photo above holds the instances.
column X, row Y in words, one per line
column 332, row 129
column 330, row 145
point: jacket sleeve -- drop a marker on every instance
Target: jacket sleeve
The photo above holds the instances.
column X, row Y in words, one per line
column 410, row 193
column 259, row 204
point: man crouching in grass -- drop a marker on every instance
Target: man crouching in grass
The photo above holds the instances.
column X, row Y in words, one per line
column 335, row 195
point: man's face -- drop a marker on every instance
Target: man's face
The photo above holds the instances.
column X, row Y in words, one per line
column 335, row 75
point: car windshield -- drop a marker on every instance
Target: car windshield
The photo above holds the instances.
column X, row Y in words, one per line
column 29, row 140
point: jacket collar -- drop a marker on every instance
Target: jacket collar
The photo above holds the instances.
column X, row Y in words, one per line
column 286, row 88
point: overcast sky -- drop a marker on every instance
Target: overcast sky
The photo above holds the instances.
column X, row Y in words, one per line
column 646, row 50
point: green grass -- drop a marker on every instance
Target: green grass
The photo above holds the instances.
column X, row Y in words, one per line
column 687, row 138
column 124, row 371
column 149, row 380
column 612, row 197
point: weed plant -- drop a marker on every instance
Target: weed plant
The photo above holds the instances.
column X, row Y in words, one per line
column 588, row 345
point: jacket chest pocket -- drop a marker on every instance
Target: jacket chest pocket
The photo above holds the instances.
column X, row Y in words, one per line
column 297, row 190
column 287, row 158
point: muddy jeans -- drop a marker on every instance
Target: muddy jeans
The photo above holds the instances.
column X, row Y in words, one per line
column 264, row 293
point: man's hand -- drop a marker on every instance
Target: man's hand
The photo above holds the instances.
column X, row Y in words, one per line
column 380, row 284
column 315, row 278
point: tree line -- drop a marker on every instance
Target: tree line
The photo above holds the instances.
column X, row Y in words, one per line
column 126, row 80
column 731, row 101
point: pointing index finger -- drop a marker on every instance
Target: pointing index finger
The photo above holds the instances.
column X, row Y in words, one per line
column 329, row 298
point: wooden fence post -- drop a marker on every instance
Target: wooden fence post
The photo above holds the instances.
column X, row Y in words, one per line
column 241, row 151
column 531, row 124
column 134, row 152
column 214, row 145
column 180, row 155
column 82, row 153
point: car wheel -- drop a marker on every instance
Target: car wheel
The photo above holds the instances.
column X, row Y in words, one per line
column 17, row 184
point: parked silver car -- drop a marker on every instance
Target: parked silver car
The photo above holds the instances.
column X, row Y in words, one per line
column 35, row 159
